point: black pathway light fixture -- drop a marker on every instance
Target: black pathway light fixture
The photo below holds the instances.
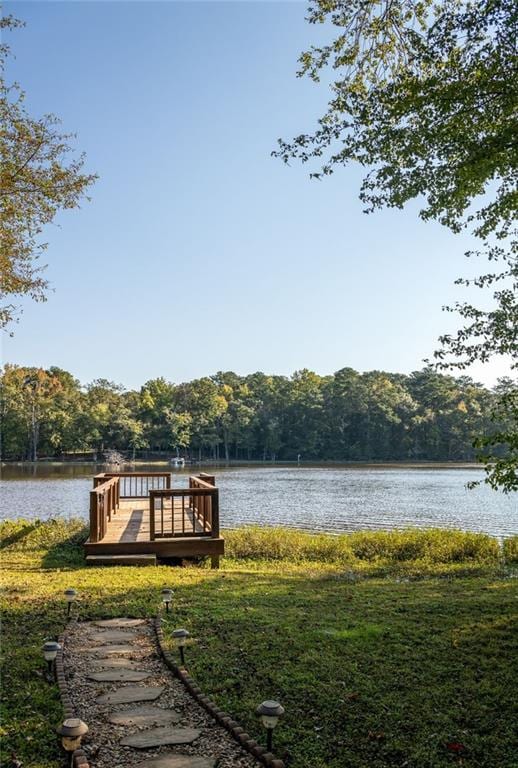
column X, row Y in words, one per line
column 270, row 713
column 167, row 598
column 50, row 650
column 180, row 637
column 70, row 597
column 72, row 731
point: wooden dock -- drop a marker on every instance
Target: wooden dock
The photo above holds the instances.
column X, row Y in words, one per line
column 139, row 517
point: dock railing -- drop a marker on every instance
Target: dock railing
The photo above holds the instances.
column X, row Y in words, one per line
column 197, row 507
column 202, row 505
column 104, row 502
column 137, row 485
column 173, row 512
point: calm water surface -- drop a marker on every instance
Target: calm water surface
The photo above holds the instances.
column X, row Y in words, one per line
column 314, row 498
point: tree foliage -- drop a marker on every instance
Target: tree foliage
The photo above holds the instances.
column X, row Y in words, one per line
column 37, row 406
column 375, row 416
column 498, row 450
column 424, row 96
column 39, row 176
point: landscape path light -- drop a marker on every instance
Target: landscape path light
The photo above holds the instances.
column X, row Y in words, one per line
column 70, row 597
column 72, row 731
column 167, row 597
column 270, row 712
column 180, row 637
column 50, row 650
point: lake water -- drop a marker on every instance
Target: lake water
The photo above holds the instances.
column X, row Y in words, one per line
column 330, row 498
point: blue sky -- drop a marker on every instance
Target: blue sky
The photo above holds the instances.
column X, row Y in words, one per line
column 199, row 251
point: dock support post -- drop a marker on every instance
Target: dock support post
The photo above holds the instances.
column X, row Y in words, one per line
column 215, row 513
column 94, row 518
column 214, row 561
column 152, row 515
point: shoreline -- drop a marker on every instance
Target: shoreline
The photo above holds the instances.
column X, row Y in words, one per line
column 331, row 463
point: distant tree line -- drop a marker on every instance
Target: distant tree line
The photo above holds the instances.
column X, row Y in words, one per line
column 347, row 416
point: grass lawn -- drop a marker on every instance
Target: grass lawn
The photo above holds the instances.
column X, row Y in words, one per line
column 379, row 662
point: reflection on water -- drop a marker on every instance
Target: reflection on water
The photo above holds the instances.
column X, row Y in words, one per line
column 315, row 498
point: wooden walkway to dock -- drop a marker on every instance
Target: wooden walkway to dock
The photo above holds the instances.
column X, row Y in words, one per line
column 140, row 515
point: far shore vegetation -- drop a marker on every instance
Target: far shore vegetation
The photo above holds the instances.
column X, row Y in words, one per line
column 348, row 416
column 386, row 648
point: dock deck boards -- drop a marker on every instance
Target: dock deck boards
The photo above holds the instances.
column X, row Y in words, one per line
column 131, row 522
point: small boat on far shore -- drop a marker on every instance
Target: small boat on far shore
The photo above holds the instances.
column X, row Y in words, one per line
column 177, row 462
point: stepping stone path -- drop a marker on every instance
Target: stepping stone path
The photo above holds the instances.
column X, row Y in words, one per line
column 116, row 675
column 115, row 662
column 107, row 650
column 143, row 715
column 128, row 695
column 119, row 623
column 177, row 761
column 158, row 737
column 113, row 636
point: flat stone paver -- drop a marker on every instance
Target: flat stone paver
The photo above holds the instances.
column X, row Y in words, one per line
column 146, row 714
column 106, row 650
column 114, row 636
column 122, row 622
column 113, row 662
column 119, row 675
column 131, row 693
column 172, row 760
column 158, row 737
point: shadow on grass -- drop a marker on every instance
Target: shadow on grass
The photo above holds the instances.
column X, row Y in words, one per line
column 53, row 543
column 371, row 674
column 19, row 535
column 68, row 553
